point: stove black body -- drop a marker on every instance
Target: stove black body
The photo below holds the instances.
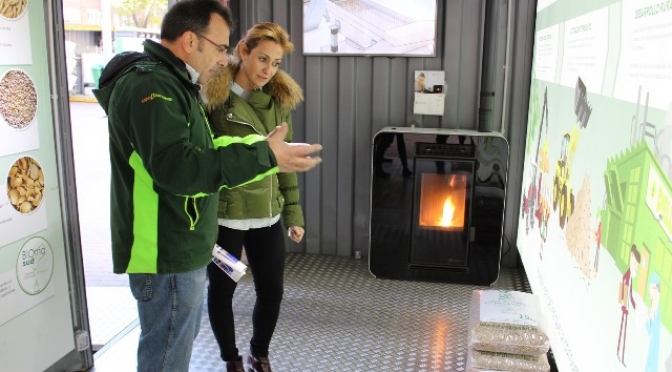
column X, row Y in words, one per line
column 407, row 165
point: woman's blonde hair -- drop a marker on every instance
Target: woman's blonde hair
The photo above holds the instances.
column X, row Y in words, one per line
column 264, row 31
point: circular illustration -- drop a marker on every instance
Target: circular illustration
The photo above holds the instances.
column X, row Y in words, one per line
column 25, row 184
column 13, row 9
column 34, row 266
column 18, row 98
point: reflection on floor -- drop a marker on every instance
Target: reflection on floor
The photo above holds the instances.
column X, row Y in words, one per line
column 337, row 317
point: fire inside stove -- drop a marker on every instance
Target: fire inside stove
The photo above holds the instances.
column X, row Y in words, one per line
column 442, row 201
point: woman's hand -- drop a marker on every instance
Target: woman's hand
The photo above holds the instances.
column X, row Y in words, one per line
column 296, row 233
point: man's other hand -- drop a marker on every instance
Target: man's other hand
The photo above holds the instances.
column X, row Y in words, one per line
column 292, row 158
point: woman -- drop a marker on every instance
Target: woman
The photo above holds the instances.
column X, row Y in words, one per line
column 253, row 96
column 420, row 85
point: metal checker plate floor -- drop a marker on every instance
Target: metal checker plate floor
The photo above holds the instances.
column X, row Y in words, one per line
column 337, row 317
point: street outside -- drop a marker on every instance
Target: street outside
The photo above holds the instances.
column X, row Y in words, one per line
column 92, row 171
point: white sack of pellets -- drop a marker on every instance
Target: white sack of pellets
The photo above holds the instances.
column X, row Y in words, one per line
column 507, row 322
column 488, row 361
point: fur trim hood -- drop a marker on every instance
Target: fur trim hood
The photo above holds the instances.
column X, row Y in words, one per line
column 284, row 90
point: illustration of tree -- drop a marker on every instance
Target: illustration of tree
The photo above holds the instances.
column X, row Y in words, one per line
column 140, row 13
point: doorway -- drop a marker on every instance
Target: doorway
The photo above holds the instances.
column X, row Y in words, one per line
column 112, row 309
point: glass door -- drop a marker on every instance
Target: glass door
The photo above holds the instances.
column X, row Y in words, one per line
column 442, row 204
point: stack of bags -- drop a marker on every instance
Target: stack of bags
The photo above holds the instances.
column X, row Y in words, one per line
column 506, row 333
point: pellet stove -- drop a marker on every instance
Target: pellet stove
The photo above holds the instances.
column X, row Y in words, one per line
column 437, row 204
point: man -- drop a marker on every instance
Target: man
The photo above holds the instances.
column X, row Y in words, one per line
column 166, row 171
column 626, row 300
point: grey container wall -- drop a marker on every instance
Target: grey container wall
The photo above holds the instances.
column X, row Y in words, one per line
column 349, row 99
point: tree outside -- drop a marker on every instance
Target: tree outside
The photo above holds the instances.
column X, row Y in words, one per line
column 140, row 13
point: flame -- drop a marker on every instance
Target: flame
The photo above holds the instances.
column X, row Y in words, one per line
column 443, row 201
column 448, row 213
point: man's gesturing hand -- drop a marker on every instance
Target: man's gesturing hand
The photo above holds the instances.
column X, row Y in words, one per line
column 292, row 158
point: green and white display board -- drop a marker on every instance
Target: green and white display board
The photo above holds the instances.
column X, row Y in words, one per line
column 37, row 294
column 595, row 232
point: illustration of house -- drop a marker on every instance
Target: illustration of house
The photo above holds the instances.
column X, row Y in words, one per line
column 639, row 211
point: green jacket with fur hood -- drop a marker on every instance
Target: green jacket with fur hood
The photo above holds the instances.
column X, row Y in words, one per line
column 265, row 109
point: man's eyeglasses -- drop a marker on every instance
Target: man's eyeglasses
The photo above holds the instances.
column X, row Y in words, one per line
column 220, row 48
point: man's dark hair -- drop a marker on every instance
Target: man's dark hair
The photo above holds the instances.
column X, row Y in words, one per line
column 192, row 15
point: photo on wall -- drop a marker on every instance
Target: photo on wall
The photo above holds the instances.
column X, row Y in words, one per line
column 429, row 92
column 370, row 28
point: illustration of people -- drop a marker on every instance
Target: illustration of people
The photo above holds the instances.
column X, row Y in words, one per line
column 598, row 241
column 626, row 298
column 653, row 324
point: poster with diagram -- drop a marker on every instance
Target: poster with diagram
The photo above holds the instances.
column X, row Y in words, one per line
column 595, row 230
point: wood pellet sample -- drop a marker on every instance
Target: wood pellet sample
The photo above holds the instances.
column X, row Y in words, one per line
column 18, row 99
column 12, row 9
column 25, row 184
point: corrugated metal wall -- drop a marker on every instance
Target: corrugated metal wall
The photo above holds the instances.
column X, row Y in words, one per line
column 348, row 99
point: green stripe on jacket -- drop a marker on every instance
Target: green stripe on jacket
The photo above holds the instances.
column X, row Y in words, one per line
column 145, row 249
column 263, row 156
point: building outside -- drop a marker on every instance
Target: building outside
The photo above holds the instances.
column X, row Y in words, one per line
column 84, row 23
